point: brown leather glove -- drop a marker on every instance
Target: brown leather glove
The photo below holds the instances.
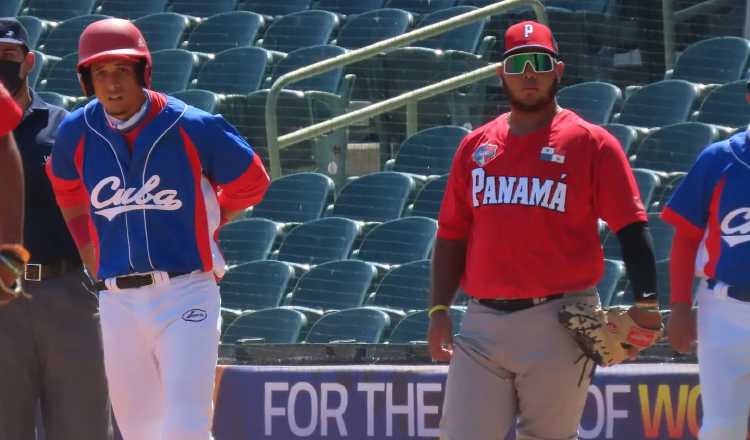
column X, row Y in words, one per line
column 13, row 259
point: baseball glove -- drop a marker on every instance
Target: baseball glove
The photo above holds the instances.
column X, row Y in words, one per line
column 13, row 259
column 606, row 336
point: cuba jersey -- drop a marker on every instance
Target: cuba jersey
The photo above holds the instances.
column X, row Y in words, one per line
column 713, row 203
column 528, row 206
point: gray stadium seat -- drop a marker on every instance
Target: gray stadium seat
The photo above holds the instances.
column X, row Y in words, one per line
column 428, row 200
column 202, row 99
column 319, row 241
column 163, row 30
column 360, row 325
column 430, row 151
column 202, row 8
column 131, row 9
column 674, row 147
column 240, row 70
column 172, row 70
column 242, row 241
column 256, row 285
column 659, row 104
column 413, row 328
column 727, row 105
column 398, row 241
column 373, row 26
column 713, row 61
column 34, row 28
column 268, row 326
column 63, row 39
column 300, row 29
column 296, row 198
column 334, row 285
column 648, row 184
column 594, row 101
column 378, row 197
column 225, row 31
column 57, row 10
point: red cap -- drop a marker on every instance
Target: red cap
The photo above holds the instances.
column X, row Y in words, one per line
column 529, row 35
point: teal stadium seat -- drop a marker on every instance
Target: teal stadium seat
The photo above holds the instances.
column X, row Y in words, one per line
column 57, row 10
column 240, row 71
column 334, row 285
column 404, row 288
column 674, row 148
column 420, row 6
column 162, row 30
column 359, row 325
column 319, row 241
column 349, row 7
column 726, row 106
column 713, row 61
column 41, row 64
column 373, row 26
column 34, row 28
column 466, row 38
column 62, row 77
column 413, row 328
column 172, row 69
column 661, row 233
column 429, row 152
column 648, row 184
column 624, row 134
column 225, row 31
column 300, row 29
column 202, row 99
column 658, row 104
column 131, row 9
column 268, row 326
column 428, row 200
column 614, row 270
column 398, row 241
column 55, row 98
column 63, row 38
column 10, row 8
column 202, row 8
column 594, row 101
column 274, row 8
column 326, row 82
column 375, row 197
column 242, row 241
column 296, row 198
column 256, row 285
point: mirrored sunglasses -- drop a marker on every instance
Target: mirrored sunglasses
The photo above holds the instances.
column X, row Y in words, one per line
column 540, row 63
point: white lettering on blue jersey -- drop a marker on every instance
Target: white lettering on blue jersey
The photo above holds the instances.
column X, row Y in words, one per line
column 132, row 199
column 733, row 233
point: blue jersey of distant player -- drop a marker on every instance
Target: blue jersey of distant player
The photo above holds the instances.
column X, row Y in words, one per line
column 714, row 201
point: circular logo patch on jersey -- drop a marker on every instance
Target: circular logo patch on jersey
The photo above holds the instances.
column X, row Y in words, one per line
column 194, row 315
column 484, row 154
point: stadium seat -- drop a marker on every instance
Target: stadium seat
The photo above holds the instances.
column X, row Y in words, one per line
column 63, row 38
column 225, row 31
column 420, row 6
column 57, row 10
column 202, row 99
column 581, row 5
column 256, row 285
column 648, row 184
column 240, row 71
column 334, row 285
column 428, row 200
column 41, row 64
column 349, row 7
column 326, row 82
column 34, row 28
column 726, row 106
column 55, row 98
column 359, row 325
column 573, row 45
column 274, row 8
column 376, row 197
column 658, row 104
column 713, row 61
column 10, row 8
column 674, row 147
column 398, row 241
column 413, row 328
column 300, row 29
column 661, row 233
column 173, row 69
column 319, row 241
column 131, row 9
column 624, row 134
column 163, row 30
column 593, row 101
column 614, row 270
column 246, row 240
column 296, row 198
column 430, row 151
column 403, row 289
column 202, row 8
column 372, row 27
column 268, row 326
column 466, row 38
column 62, row 77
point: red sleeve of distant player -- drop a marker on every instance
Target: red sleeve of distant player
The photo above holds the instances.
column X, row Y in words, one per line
column 10, row 113
column 455, row 216
column 616, row 197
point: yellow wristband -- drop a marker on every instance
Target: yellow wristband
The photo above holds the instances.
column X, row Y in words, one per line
column 437, row 308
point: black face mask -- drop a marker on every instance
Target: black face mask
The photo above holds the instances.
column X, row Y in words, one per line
column 9, row 71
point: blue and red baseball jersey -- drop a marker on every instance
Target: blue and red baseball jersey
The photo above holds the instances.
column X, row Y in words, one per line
column 713, row 203
column 157, row 207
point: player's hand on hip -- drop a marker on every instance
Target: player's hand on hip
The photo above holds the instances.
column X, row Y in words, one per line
column 681, row 328
column 440, row 336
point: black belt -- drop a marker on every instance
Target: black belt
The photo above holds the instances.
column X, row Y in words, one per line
column 514, row 305
column 736, row 292
column 134, row 281
column 41, row 272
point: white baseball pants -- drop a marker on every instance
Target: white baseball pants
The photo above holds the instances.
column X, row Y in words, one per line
column 724, row 363
column 160, row 354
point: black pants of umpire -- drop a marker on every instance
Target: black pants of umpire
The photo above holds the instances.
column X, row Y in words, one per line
column 51, row 355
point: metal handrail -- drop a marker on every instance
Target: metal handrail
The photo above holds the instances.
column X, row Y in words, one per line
column 670, row 18
column 275, row 143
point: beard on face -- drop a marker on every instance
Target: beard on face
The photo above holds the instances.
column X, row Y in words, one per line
column 543, row 101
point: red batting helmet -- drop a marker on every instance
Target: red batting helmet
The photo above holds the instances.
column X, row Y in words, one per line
column 112, row 38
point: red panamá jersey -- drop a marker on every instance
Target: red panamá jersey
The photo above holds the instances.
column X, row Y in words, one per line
column 528, row 206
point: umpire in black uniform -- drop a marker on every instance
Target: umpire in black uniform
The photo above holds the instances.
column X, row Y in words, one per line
column 50, row 348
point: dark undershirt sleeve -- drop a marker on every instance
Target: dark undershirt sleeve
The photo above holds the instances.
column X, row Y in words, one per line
column 638, row 255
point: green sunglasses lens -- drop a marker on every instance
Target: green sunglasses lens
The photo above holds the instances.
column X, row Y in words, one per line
column 540, row 62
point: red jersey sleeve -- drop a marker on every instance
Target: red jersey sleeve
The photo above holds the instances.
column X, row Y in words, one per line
column 11, row 113
column 454, row 221
column 616, row 197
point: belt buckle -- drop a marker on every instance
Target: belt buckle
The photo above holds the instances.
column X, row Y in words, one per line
column 32, row 272
column 539, row 300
